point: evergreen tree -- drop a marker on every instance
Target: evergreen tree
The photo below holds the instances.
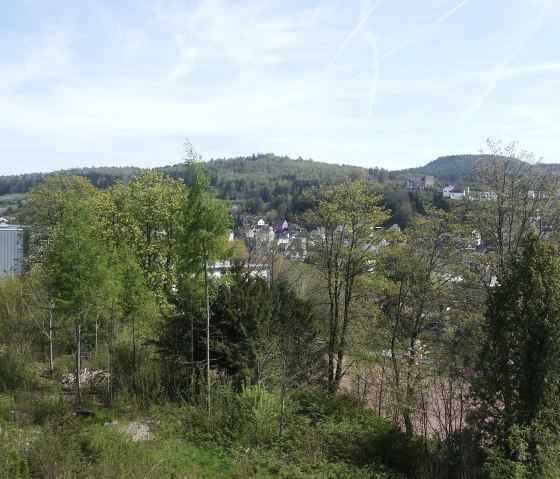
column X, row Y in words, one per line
column 518, row 380
column 242, row 312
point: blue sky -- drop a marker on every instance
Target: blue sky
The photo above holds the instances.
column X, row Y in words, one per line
column 388, row 83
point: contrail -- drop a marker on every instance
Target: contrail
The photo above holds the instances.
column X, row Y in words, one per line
column 498, row 72
column 363, row 19
column 375, row 65
column 422, row 32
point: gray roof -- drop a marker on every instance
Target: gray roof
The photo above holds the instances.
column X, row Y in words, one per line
column 11, row 249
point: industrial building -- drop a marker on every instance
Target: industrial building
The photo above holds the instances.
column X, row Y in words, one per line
column 11, row 249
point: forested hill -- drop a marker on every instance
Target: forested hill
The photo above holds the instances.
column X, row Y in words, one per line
column 263, row 175
column 260, row 183
column 269, row 182
column 102, row 177
column 229, row 175
column 451, row 169
column 458, row 168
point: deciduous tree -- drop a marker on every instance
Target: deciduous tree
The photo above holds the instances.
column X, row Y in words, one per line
column 344, row 218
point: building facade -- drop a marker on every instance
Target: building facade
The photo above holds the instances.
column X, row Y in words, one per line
column 11, row 249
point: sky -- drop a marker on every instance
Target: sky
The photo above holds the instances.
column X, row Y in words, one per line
column 386, row 83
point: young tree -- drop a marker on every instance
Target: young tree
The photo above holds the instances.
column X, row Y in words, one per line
column 345, row 217
column 77, row 266
column 517, row 381
column 61, row 208
column 133, row 300
column 297, row 357
column 204, row 224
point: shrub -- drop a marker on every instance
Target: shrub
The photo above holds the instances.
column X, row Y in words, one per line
column 15, row 372
column 254, row 418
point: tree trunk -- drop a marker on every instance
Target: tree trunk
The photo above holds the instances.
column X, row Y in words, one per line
column 51, row 356
column 110, row 355
column 282, row 403
column 134, row 356
column 96, row 329
column 78, row 362
column 207, row 300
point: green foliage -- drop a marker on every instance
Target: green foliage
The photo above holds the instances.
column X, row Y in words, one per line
column 240, row 323
column 453, row 169
column 399, row 202
column 345, row 217
column 128, row 263
column 204, row 222
column 76, row 265
column 338, row 431
column 15, row 372
column 20, row 315
column 254, row 418
column 522, row 321
column 47, row 202
column 143, row 218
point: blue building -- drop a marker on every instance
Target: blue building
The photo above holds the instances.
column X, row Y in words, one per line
column 11, row 249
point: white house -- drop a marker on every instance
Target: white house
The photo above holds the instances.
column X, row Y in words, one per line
column 447, row 190
column 454, row 193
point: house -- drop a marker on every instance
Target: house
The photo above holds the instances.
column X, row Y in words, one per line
column 455, row 193
column 256, row 270
column 11, row 249
column 261, row 222
column 420, row 183
column 447, row 190
column 280, row 226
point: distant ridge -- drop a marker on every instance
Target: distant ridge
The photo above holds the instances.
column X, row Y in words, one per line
column 259, row 170
column 452, row 169
column 457, row 168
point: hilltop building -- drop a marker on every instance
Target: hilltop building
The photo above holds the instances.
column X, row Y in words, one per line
column 420, row 183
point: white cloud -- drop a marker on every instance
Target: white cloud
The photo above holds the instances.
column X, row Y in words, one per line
column 128, row 86
column 37, row 58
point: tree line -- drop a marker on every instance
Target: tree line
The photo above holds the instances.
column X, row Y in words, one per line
column 261, row 184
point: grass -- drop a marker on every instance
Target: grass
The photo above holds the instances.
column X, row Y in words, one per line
column 326, row 437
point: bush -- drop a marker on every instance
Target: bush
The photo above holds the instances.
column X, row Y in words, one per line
column 254, row 417
column 346, row 432
column 13, row 463
column 15, row 372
